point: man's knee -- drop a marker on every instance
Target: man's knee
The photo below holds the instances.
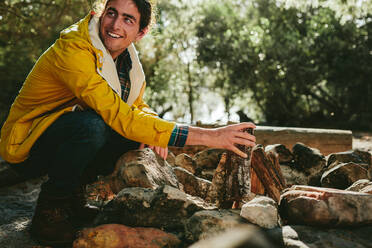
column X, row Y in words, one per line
column 85, row 127
column 91, row 127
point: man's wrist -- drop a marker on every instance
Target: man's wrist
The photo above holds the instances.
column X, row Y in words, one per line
column 199, row 136
column 179, row 136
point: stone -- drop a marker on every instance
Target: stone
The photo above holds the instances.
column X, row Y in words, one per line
column 356, row 156
column 207, row 174
column 344, row 175
column 367, row 189
column 285, row 156
column 171, row 159
column 191, row 184
column 359, row 185
column 305, row 205
column 137, row 168
column 207, row 223
column 185, row 161
column 120, row 236
column 141, row 168
column 208, row 158
column 307, row 159
column 310, row 161
column 293, row 176
column 238, row 237
column 167, row 208
column 101, row 191
column 190, row 150
column 262, row 211
column 362, row 185
column 296, row 236
column 293, row 171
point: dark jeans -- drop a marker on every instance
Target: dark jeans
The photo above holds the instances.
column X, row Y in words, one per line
column 74, row 149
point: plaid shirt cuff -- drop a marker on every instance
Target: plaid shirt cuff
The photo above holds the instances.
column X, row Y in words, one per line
column 179, row 136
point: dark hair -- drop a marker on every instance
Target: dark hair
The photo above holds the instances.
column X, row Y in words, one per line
column 146, row 8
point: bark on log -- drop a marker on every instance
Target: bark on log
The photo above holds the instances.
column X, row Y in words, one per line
column 231, row 180
column 268, row 171
column 256, row 185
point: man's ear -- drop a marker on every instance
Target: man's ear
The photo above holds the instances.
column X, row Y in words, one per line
column 142, row 33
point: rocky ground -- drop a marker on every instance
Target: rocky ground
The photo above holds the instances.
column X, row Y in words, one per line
column 18, row 203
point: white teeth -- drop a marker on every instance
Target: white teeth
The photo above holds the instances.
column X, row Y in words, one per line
column 113, row 35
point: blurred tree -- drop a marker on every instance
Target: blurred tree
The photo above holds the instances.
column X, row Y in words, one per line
column 27, row 29
column 303, row 63
column 304, row 67
column 169, row 59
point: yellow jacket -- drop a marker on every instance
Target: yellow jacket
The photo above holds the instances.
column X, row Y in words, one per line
column 77, row 71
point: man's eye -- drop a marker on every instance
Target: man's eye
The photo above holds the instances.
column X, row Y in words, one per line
column 128, row 20
column 111, row 13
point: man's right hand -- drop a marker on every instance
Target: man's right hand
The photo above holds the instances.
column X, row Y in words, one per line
column 163, row 152
column 223, row 137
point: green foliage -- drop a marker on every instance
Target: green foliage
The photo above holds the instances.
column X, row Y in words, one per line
column 28, row 28
column 297, row 63
column 304, row 68
column 173, row 74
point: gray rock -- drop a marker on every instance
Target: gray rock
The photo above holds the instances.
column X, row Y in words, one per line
column 191, row 184
column 310, row 161
column 208, row 223
column 356, row 156
column 142, row 168
column 284, row 154
column 363, row 186
column 359, row 185
column 316, row 206
column 171, row 159
column 293, row 176
column 208, row 158
column 185, row 161
column 165, row 208
column 121, row 236
column 207, row 174
column 344, row 175
column 262, row 211
column 367, row 189
column 307, row 236
column 238, row 237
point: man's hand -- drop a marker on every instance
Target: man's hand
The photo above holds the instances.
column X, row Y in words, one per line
column 224, row 137
column 163, row 152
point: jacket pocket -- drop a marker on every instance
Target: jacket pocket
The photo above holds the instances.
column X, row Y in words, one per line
column 20, row 132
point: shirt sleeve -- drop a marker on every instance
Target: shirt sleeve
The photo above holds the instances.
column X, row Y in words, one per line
column 179, row 136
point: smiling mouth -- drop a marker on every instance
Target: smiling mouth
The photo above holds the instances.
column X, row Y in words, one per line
column 113, row 35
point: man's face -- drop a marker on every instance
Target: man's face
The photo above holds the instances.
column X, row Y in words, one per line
column 119, row 26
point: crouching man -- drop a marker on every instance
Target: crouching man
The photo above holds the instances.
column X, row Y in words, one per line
column 81, row 108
